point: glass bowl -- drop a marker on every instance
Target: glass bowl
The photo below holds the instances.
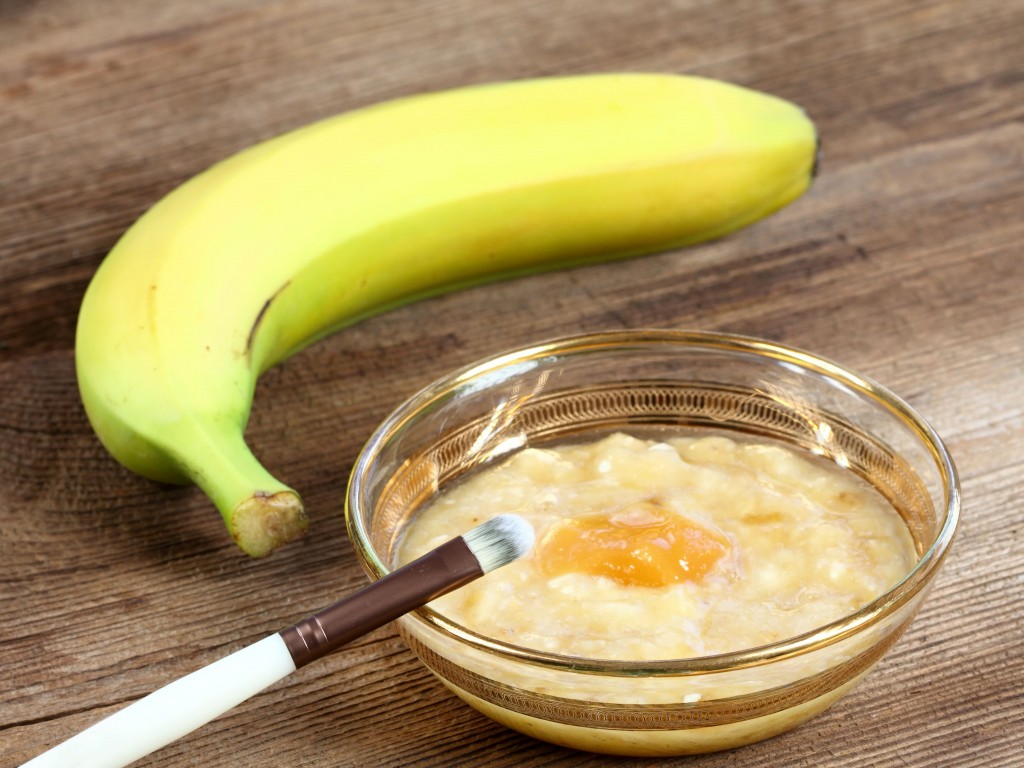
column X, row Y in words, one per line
column 638, row 381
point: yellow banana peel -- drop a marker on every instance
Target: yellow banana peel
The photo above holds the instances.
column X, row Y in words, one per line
column 294, row 238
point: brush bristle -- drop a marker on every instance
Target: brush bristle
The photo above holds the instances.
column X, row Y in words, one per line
column 499, row 541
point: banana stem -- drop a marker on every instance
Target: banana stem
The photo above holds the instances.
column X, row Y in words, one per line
column 261, row 513
column 265, row 521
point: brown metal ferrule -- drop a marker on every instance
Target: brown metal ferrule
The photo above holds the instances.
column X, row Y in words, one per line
column 448, row 567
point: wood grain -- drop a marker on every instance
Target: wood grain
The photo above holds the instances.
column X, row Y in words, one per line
column 903, row 262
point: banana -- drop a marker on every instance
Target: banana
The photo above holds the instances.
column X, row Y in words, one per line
column 296, row 237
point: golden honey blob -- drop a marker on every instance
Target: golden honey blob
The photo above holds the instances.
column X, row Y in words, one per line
column 641, row 544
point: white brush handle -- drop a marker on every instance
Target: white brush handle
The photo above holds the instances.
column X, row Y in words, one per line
column 170, row 712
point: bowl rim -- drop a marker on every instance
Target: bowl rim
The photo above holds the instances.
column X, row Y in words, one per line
column 917, row 579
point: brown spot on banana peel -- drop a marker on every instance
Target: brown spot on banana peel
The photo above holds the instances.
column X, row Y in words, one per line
column 265, row 521
column 259, row 318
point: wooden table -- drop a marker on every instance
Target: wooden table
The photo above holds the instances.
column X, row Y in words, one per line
column 903, row 262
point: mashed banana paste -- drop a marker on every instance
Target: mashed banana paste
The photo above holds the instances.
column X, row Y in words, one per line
column 677, row 547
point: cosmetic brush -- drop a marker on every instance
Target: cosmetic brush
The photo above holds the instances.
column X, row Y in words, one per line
column 182, row 706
